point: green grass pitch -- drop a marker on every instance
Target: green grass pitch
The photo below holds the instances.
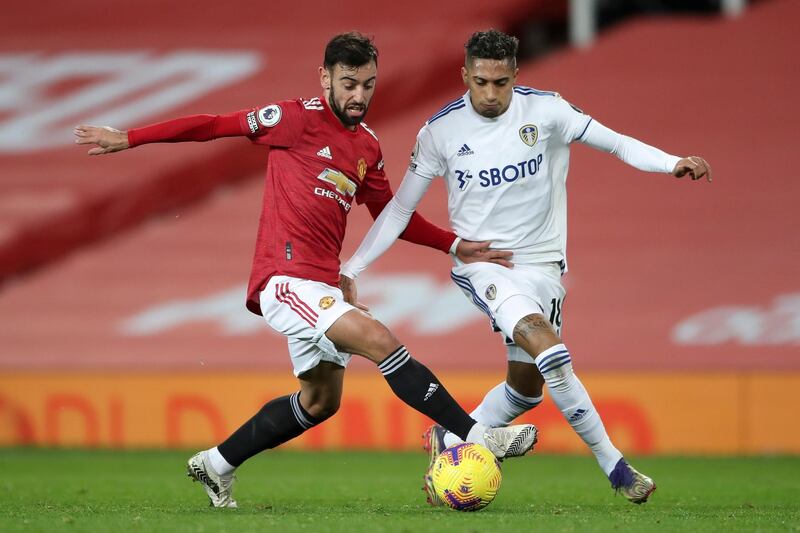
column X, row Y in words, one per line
column 47, row 490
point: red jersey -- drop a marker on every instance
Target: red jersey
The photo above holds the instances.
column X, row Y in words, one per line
column 316, row 170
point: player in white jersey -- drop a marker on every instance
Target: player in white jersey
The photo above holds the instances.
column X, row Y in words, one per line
column 503, row 151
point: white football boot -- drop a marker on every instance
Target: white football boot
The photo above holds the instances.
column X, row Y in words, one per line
column 631, row 483
column 219, row 488
column 511, row 441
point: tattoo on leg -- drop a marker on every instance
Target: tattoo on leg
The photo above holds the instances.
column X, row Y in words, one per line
column 532, row 325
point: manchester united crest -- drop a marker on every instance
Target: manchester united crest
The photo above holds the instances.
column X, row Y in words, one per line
column 529, row 134
column 326, row 302
column 362, row 168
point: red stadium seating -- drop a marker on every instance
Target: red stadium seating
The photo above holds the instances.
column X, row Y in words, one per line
column 140, row 62
column 659, row 267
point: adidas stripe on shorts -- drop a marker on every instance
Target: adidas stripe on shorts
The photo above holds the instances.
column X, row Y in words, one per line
column 302, row 310
column 506, row 295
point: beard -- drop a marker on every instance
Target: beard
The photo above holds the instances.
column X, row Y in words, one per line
column 342, row 115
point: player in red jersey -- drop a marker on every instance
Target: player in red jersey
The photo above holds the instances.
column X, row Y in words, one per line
column 322, row 159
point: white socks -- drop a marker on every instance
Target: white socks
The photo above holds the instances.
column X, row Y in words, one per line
column 573, row 401
column 499, row 407
column 502, row 405
column 475, row 434
column 218, row 463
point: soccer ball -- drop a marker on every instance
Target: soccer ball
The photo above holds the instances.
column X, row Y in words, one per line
column 466, row 476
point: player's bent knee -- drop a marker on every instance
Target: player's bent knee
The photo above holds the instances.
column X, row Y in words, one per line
column 379, row 342
column 324, row 408
column 359, row 333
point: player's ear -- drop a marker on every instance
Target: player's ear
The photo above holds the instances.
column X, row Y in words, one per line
column 325, row 79
column 465, row 76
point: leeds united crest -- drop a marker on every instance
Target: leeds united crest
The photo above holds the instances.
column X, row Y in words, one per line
column 529, row 134
column 491, row 292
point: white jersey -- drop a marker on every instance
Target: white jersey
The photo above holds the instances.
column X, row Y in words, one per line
column 505, row 176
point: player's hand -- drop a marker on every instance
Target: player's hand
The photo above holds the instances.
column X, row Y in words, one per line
column 348, row 287
column 474, row 252
column 107, row 139
column 696, row 167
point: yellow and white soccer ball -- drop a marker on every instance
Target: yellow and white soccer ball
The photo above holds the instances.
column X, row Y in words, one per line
column 466, row 476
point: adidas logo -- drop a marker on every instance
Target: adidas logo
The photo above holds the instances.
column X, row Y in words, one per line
column 431, row 389
column 464, row 150
column 325, row 152
column 577, row 415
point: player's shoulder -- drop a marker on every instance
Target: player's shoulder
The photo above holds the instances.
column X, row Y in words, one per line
column 301, row 104
column 543, row 101
column 311, row 104
column 530, row 91
column 369, row 130
column 448, row 111
column 530, row 97
column 306, row 108
column 271, row 114
column 370, row 139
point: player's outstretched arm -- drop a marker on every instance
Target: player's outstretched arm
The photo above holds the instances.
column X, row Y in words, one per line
column 388, row 226
column 425, row 233
column 643, row 156
column 196, row 128
column 106, row 140
column 695, row 166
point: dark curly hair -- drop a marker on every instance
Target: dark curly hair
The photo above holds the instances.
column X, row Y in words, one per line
column 352, row 49
column 492, row 44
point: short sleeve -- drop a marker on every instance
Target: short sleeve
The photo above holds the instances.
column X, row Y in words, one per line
column 279, row 124
column 426, row 162
column 570, row 121
column 375, row 186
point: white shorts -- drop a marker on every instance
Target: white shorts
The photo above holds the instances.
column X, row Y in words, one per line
column 506, row 295
column 303, row 310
